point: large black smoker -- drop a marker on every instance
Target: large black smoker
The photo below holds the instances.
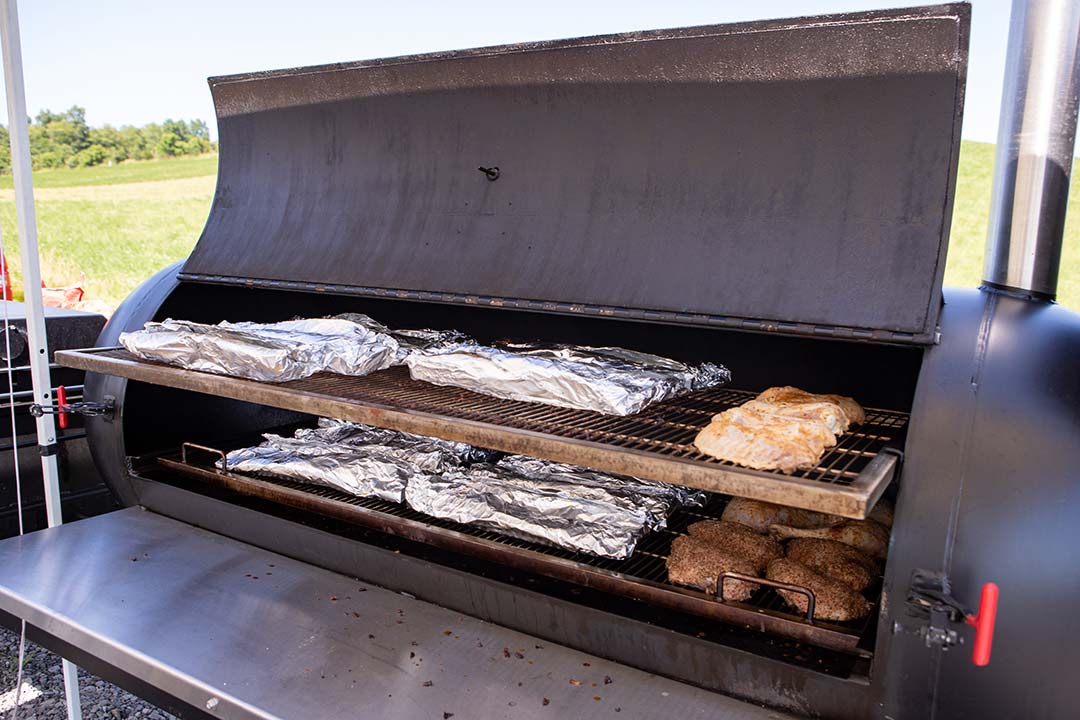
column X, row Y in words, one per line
column 772, row 195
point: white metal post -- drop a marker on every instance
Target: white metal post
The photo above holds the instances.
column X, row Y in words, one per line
column 31, row 272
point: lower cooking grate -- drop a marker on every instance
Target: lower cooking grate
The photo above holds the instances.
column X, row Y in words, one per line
column 656, row 443
column 642, row 576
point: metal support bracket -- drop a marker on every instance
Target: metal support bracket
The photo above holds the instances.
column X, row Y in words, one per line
column 104, row 409
column 929, row 596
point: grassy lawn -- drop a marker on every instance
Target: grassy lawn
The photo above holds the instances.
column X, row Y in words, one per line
column 127, row 172
column 120, row 224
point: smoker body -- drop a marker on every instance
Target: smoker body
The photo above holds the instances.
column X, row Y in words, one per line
column 650, row 193
column 985, row 488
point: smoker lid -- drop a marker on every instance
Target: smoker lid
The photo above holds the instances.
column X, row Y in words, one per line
column 792, row 175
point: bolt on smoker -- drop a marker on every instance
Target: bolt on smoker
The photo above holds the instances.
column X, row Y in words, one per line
column 772, row 195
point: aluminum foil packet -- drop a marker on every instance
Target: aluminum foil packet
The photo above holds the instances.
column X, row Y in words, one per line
column 271, row 352
column 657, row 499
column 613, row 381
column 357, row 459
column 346, row 469
column 409, row 340
column 560, row 505
column 411, row 447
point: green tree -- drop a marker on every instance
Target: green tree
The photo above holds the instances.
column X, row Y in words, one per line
column 133, row 142
column 170, row 144
column 110, row 139
column 65, row 139
column 151, row 138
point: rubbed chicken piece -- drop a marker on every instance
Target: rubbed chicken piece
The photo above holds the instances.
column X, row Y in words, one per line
column 787, row 394
column 834, row 559
column 739, row 540
column 882, row 513
column 828, row 414
column 833, row 600
column 763, row 441
column 865, row 535
column 759, row 516
column 698, row 563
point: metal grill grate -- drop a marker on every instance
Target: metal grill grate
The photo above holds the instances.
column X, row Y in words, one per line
column 642, row 575
column 656, row 444
column 667, row 428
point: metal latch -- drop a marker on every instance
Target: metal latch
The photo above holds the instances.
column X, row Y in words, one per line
column 63, row 408
column 930, row 595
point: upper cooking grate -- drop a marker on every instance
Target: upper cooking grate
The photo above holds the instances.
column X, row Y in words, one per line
column 656, row 444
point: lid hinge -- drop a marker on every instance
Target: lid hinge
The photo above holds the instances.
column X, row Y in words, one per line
column 930, row 597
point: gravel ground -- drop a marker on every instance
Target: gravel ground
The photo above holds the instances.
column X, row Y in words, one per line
column 43, row 689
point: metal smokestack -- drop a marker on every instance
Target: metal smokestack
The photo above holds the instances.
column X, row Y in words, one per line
column 1036, row 137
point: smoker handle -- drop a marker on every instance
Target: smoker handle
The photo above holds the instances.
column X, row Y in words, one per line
column 810, row 599
column 213, row 451
column 983, row 622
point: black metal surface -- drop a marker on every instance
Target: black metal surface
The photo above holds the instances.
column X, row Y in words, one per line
column 106, row 437
column 699, row 175
column 1013, row 517
column 989, row 493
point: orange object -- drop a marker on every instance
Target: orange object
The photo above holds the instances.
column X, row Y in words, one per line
column 62, row 297
column 61, row 400
column 983, row 622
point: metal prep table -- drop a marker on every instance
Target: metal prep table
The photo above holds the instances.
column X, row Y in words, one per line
column 234, row 631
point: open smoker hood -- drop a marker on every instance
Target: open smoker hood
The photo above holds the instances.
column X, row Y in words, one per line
column 792, row 175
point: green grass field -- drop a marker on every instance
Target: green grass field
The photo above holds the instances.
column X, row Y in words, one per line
column 120, row 224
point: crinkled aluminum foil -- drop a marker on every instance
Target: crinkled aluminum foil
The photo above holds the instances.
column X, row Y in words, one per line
column 356, row 473
column 356, row 459
column 409, row 340
column 332, row 431
column 273, row 352
column 656, row 498
column 613, row 381
column 413, row 340
column 559, row 505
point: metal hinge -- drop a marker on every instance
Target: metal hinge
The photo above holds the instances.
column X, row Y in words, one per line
column 930, row 597
column 105, row 409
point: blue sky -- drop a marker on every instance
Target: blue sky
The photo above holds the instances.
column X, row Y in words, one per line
column 130, row 62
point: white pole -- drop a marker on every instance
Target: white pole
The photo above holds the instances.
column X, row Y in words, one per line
column 31, row 272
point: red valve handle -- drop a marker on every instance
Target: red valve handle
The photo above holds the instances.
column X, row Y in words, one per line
column 983, row 623
column 61, row 400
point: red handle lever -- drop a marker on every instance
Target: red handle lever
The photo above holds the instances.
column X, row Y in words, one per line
column 61, row 400
column 983, row 623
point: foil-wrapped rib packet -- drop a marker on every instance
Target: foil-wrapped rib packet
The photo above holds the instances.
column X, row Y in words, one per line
column 407, row 445
column 272, row 352
column 360, row 474
column 356, row 459
column 657, row 499
column 553, row 503
column 613, row 381
column 346, row 344
column 561, row 505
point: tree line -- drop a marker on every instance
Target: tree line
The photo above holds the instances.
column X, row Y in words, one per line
column 65, row 140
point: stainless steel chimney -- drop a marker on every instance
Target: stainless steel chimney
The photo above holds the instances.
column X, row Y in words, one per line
column 1036, row 137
